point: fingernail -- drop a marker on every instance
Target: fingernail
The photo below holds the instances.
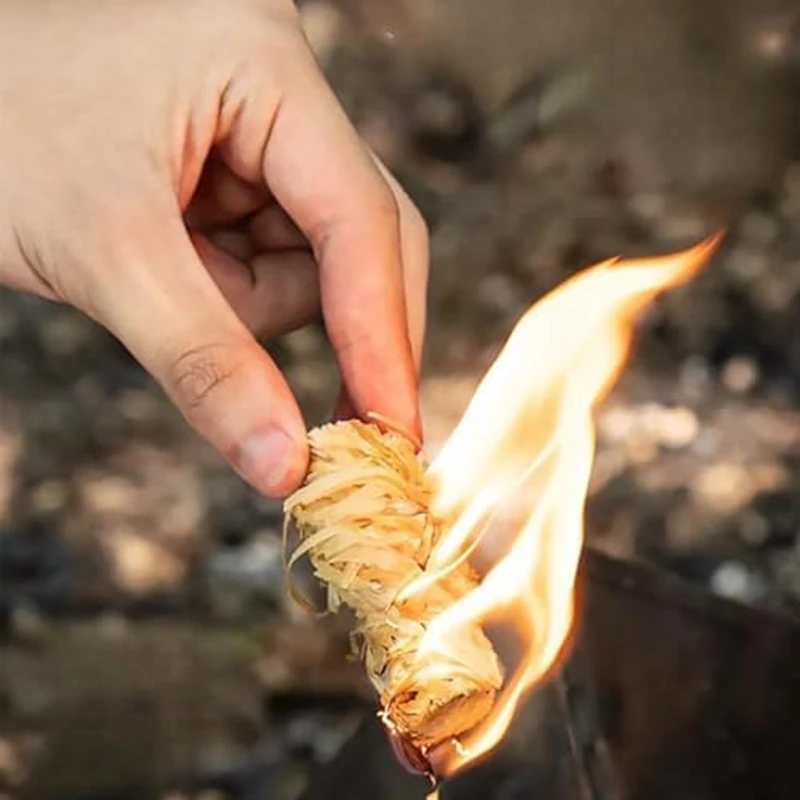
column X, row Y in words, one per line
column 270, row 460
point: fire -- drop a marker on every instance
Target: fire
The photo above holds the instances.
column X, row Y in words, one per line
column 513, row 477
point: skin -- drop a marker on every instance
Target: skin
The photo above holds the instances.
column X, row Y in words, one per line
column 180, row 171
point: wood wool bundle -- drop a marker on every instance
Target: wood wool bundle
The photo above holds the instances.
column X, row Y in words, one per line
column 364, row 521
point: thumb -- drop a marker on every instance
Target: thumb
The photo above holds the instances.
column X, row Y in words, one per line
column 167, row 310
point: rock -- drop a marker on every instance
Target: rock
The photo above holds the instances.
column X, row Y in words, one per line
column 141, row 565
column 695, row 378
column 498, row 293
column 759, row 229
column 648, row 206
column 27, row 623
column 318, row 735
column 734, row 581
column 65, row 333
column 110, row 494
column 240, row 578
column 748, row 263
column 641, row 428
column 677, row 427
column 740, row 375
column 727, row 487
column 48, row 497
column 139, row 406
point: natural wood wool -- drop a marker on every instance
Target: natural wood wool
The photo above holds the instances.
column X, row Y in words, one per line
column 364, row 521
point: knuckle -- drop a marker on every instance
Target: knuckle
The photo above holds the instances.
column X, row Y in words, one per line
column 198, row 373
column 376, row 210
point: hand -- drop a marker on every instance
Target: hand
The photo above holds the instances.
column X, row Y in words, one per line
column 180, row 171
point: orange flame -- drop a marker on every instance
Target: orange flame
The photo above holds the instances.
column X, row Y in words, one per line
column 513, row 477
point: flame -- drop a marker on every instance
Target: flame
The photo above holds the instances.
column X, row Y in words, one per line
column 513, row 477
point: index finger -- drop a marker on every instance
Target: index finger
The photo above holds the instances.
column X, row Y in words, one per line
column 324, row 177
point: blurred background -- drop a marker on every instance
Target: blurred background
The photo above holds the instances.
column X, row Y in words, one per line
column 144, row 634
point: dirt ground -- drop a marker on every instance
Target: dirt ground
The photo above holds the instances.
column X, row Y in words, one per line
column 143, row 626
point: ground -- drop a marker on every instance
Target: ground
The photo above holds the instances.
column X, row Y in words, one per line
column 134, row 564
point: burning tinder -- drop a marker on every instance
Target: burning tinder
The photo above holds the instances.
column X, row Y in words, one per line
column 365, row 521
column 431, row 557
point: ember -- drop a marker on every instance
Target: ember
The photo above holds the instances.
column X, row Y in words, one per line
column 489, row 536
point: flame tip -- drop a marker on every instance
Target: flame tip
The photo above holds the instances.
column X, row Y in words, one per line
column 711, row 242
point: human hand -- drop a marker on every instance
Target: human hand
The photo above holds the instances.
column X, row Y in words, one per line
column 180, row 171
